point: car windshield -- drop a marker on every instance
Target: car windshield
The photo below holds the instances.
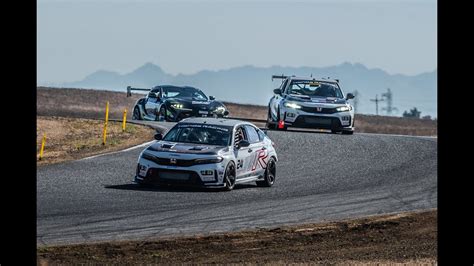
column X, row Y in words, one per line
column 200, row 134
column 184, row 92
column 314, row 89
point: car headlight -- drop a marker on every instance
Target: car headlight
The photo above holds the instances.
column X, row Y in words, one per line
column 220, row 109
column 217, row 159
column 343, row 109
column 292, row 105
column 177, row 106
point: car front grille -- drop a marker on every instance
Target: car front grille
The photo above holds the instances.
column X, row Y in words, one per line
column 309, row 121
column 318, row 110
column 168, row 161
column 167, row 176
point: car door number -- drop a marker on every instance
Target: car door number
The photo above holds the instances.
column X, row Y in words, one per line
column 240, row 163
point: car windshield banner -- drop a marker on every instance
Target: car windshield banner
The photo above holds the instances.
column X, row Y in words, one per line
column 220, row 128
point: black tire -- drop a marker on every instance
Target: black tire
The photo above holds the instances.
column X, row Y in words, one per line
column 162, row 112
column 347, row 132
column 229, row 177
column 136, row 113
column 270, row 174
column 270, row 124
column 335, row 131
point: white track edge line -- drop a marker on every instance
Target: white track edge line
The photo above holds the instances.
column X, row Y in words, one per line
column 114, row 152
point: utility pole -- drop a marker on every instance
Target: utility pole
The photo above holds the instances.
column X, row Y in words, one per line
column 377, row 100
column 389, row 97
column 356, row 100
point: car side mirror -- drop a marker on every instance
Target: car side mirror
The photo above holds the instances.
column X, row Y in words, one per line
column 277, row 91
column 350, row 96
column 158, row 136
column 152, row 95
column 211, row 98
column 243, row 143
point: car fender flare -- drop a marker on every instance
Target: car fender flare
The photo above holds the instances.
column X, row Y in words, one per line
column 141, row 106
column 274, row 156
column 157, row 109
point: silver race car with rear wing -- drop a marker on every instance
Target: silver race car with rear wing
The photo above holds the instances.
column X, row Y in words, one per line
column 310, row 103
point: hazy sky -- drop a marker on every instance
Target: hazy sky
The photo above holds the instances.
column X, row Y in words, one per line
column 76, row 38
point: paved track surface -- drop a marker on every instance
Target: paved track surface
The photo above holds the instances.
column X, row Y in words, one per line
column 319, row 177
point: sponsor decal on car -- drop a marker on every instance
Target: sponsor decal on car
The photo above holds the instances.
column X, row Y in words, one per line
column 260, row 157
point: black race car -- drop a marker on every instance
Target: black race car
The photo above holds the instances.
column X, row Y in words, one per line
column 173, row 103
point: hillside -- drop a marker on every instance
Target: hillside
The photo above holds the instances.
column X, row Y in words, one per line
column 253, row 85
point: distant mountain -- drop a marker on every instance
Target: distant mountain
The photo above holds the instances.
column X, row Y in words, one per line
column 253, row 85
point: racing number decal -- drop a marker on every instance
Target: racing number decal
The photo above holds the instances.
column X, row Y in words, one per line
column 260, row 157
column 240, row 163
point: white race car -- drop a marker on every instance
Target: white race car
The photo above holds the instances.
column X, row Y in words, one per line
column 209, row 152
column 310, row 103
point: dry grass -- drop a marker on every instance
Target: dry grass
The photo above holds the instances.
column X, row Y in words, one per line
column 83, row 103
column 75, row 138
column 396, row 125
column 408, row 238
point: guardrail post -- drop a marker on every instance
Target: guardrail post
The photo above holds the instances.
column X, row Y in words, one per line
column 124, row 120
column 42, row 146
column 105, row 125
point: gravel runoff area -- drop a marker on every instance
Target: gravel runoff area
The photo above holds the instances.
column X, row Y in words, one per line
column 408, row 238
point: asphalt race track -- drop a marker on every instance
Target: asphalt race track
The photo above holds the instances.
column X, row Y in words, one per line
column 319, row 177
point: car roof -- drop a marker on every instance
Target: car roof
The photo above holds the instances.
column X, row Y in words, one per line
column 173, row 86
column 315, row 79
column 214, row 121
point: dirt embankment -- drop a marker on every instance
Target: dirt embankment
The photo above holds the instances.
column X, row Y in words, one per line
column 91, row 104
column 83, row 103
column 398, row 238
column 74, row 138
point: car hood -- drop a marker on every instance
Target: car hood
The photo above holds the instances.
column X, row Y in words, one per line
column 189, row 148
column 317, row 101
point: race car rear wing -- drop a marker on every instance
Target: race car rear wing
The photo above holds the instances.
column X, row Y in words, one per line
column 130, row 89
column 279, row 77
column 283, row 77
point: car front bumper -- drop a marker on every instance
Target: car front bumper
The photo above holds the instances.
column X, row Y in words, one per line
column 334, row 121
column 149, row 172
column 178, row 114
